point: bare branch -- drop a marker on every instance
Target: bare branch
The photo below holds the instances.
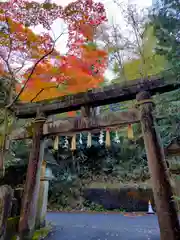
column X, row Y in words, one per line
column 137, row 33
column 11, row 85
column 37, row 94
column 135, row 21
column 32, row 71
column 22, row 65
column 30, row 75
column 118, row 55
column 45, row 89
column 9, row 36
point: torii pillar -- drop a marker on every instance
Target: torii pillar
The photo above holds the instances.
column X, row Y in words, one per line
column 162, row 190
column 31, row 189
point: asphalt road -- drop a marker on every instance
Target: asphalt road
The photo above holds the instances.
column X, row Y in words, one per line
column 83, row 226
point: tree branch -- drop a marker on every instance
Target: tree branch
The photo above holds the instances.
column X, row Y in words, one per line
column 32, row 71
column 45, row 89
column 10, row 40
column 30, row 75
column 37, row 94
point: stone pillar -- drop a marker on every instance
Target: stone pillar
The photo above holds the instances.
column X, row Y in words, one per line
column 31, row 189
column 6, row 196
column 163, row 194
column 43, row 198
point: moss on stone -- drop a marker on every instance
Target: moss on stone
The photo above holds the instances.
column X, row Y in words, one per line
column 41, row 233
column 13, row 225
column 38, row 235
column 14, row 238
column 13, row 221
column 12, row 228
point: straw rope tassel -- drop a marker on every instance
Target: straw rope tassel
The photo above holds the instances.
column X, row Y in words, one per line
column 130, row 132
column 56, row 143
column 73, row 143
column 89, row 140
column 108, row 139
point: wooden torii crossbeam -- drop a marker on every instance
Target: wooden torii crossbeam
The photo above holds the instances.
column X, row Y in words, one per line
column 68, row 126
column 96, row 97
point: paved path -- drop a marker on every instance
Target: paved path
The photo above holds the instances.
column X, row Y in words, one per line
column 82, row 226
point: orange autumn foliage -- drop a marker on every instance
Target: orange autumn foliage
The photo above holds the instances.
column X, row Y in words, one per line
column 54, row 75
column 70, row 75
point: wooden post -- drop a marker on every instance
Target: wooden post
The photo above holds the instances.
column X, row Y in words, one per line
column 29, row 204
column 163, row 194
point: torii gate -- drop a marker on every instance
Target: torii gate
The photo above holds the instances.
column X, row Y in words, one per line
column 139, row 89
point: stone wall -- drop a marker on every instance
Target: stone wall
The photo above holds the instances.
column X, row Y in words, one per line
column 129, row 199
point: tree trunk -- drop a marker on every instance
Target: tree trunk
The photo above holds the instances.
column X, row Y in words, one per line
column 163, row 193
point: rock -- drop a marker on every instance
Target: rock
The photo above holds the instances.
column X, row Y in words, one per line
column 6, row 196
